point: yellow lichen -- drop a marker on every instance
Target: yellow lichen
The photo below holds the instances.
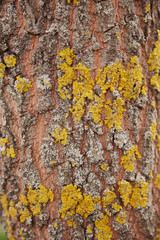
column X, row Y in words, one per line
column 104, row 231
column 60, row 135
column 3, row 141
column 89, row 229
column 154, row 105
column 71, row 223
column 10, row 61
column 131, row 80
column 74, row 1
column 140, row 194
column 157, row 181
column 10, row 152
column 109, row 198
column 128, row 160
column 12, row 210
column 4, row 202
column 55, row 225
column 114, row 113
column 71, row 196
column 85, row 207
column 104, row 167
column 66, row 54
column 24, row 214
column 22, row 84
column 33, row 200
column 116, row 206
column 154, row 62
column 153, row 129
column 83, row 93
column 121, row 218
column 147, row 7
column 158, row 235
column 118, row 35
column 2, row 70
column 125, row 190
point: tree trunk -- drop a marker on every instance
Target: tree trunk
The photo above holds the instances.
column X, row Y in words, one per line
column 79, row 119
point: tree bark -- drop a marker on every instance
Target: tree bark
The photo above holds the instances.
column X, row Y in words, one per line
column 80, row 146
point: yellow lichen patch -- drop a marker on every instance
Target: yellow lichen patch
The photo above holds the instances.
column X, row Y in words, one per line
column 114, row 113
column 112, row 73
column 140, row 194
column 22, row 84
column 55, row 225
column 104, row 167
column 116, row 206
column 158, row 235
column 118, row 35
column 2, row 70
column 3, row 141
column 95, row 108
column 89, row 229
column 74, row 1
column 82, row 90
column 71, row 223
column 10, row 61
column 154, row 57
column 12, row 210
column 154, row 62
column 23, row 200
column 10, row 152
column 147, row 7
column 60, row 135
column 71, row 196
column 104, row 231
column 153, row 129
column 34, row 200
column 131, row 80
column 86, row 206
column 121, row 218
column 24, row 214
column 109, row 198
column 66, row 54
column 157, row 181
column 4, row 202
column 154, row 105
column 128, row 160
column 155, row 81
column 125, row 190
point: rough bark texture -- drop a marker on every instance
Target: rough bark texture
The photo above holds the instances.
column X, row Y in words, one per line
column 100, row 33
